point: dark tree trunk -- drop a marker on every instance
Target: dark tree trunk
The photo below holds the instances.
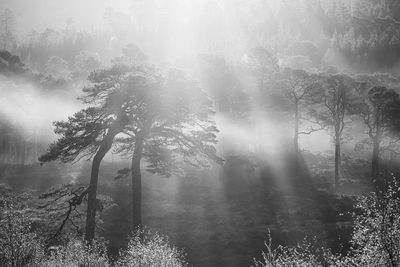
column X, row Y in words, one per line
column 23, row 153
column 375, row 162
column 17, row 158
column 36, row 150
column 92, row 191
column 296, row 131
column 137, row 184
column 337, row 162
column 296, row 139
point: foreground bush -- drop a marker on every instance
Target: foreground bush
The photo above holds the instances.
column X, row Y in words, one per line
column 76, row 254
column 376, row 236
column 19, row 245
column 375, row 241
column 144, row 250
column 22, row 245
column 303, row 255
column 148, row 250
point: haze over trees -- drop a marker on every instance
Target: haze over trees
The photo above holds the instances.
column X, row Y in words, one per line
column 336, row 97
column 216, row 123
column 379, row 111
column 154, row 118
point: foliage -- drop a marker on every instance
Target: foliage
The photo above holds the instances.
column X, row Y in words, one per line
column 58, row 68
column 220, row 80
column 293, row 95
column 294, row 89
column 77, row 137
column 77, row 253
column 365, row 32
column 378, row 106
column 19, row 244
column 132, row 54
column 62, row 208
column 86, row 62
column 304, row 254
column 83, row 133
column 375, row 240
column 376, row 237
column 380, row 111
column 308, row 50
column 173, row 119
column 56, row 77
column 10, row 63
column 263, row 63
column 147, row 250
column 336, row 96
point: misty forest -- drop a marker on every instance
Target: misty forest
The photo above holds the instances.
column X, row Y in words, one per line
column 210, row 133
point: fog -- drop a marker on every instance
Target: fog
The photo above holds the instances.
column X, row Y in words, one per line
column 184, row 29
column 85, row 16
column 31, row 110
column 229, row 127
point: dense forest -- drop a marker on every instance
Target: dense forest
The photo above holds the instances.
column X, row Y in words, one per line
column 258, row 133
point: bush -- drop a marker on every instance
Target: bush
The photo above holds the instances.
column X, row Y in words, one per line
column 19, row 246
column 305, row 254
column 376, row 236
column 375, row 241
column 76, row 254
column 149, row 250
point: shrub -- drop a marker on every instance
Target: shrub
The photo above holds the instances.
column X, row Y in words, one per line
column 375, row 241
column 305, row 254
column 19, row 246
column 149, row 250
column 77, row 253
column 376, row 236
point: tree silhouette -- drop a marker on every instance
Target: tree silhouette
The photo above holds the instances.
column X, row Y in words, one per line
column 379, row 109
column 90, row 132
column 171, row 125
column 335, row 98
column 263, row 63
column 165, row 121
column 294, row 92
column 221, row 82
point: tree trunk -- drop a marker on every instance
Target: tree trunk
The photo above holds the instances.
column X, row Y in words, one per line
column 36, row 147
column 296, row 131
column 92, row 191
column 296, row 138
column 375, row 162
column 137, row 184
column 337, row 162
column 23, row 152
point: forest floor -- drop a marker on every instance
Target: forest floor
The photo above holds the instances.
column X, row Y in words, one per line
column 220, row 216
